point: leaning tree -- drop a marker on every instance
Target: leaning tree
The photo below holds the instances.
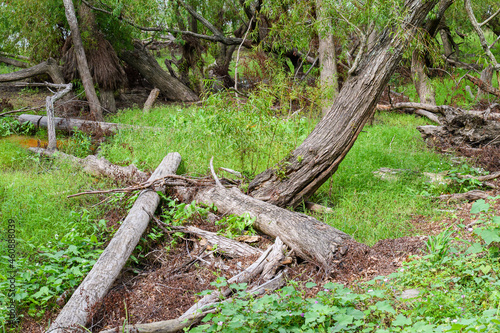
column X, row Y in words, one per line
column 306, row 168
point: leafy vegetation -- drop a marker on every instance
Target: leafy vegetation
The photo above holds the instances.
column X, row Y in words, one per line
column 456, row 286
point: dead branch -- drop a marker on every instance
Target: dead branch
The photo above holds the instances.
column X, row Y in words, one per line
column 169, row 180
column 224, row 245
column 253, row 270
column 153, row 95
column 99, row 166
column 484, row 86
column 469, row 196
column 14, row 62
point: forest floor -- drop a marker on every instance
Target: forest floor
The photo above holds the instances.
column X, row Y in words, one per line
column 161, row 287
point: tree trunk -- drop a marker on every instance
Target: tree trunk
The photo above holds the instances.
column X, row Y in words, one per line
column 83, row 68
column 100, row 166
column 68, row 124
column 92, row 290
column 328, row 76
column 14, row 62
column 318, row 157
column 309, row 238
column 107, row 99
column 140, row 59
column 50, row 68
column 448, row 44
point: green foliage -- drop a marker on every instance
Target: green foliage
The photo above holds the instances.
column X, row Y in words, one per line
column 60, row 267
column 235, row 225
column 9, row 126
column 457, row 292
column 79, row 144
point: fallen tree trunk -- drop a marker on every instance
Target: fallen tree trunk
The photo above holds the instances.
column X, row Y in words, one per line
column 469, row 196
column 69, row 124
column 14, row 62
column 99, row 166
column 305, row 169
column 48, row 67
column 140, row 59
column 475, row 128
column 91, row 291
column 307, row 237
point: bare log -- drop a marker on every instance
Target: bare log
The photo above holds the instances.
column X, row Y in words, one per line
column 469, row 196
column 69, row 124
column 92, row 290
column 14, row 62
column 484, row 86
column 225, row 246
column 99, row 166
column 153, row 95
column 309, row 238
column 48, row 67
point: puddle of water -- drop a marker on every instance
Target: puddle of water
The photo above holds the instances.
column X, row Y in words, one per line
column 27, row 141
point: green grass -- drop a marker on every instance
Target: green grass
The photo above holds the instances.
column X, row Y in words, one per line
column 243, row 139
column 33, row 194
column 249, row 140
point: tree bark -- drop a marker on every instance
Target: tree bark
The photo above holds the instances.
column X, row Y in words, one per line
column 48, row 67
column 14, row 62
column 68, row 124
column 312, row 163
column 309, row 238
column 99, row 166
column 328, row 76
column 107, row 99
column 140, row 59
column 83, row 67
column 107, row 268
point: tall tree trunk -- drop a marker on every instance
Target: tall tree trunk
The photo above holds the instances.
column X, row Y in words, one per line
column 318, row 157
column 448, row 44
column 172, row 88
column 83, row 67
column 425, row 91
column 328, row 76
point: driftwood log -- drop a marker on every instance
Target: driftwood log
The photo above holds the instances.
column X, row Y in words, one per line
column 99, row 166
column 307, row 237
column 92, row 290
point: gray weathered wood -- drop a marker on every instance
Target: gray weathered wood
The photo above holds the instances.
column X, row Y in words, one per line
column 92, row 290
column 81, row 59
column 99, row 166
column 69, row 124
column 225, row 246
column 308, row 237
